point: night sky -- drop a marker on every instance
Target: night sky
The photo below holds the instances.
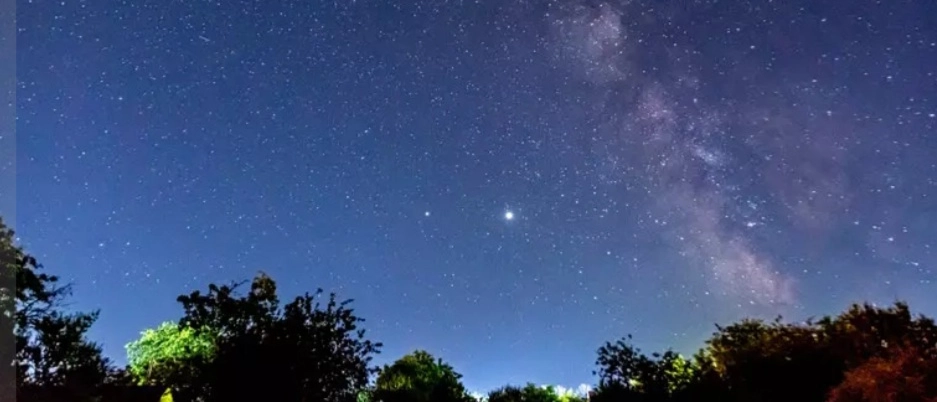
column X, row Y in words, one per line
column 506, row 184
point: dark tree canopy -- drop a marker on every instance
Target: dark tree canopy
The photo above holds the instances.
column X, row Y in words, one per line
column 866, row 331
column 303, row 351
column 419, row 377
column 761, row 360
column 626, row 373
column 51, row 347
column 753, row 360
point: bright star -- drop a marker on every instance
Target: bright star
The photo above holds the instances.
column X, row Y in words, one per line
column 509, row 215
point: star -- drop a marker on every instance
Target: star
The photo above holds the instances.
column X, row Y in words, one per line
column 509, row 215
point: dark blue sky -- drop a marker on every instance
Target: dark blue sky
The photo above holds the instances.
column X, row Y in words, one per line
column 667, row 165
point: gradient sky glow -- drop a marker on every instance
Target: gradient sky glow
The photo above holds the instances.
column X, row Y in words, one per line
column 507, row 184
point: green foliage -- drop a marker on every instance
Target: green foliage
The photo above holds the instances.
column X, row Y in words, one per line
column 304, row 350
column 50, row 345
column 677, row 372
column 364, row 395
column 570, row 396
column 170, row 354
column 419, row 377
column 530, row 393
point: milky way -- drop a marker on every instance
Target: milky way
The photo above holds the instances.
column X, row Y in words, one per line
column 691, row 182
column 506, row 184
column 718, row 167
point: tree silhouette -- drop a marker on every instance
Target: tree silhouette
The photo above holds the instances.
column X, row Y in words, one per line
column 51, row 348
column 508, row 393
column 529, row 393
column 754, row 360
column 760, row 361
column 304, row 351
column 627, row 374
column 866, row 331
column 419, row 377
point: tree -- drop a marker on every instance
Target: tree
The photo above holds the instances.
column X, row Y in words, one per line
column 507, row 393
column 904, row 374
column 12, row 260
column 419, row 377
column 304, row 351
column 626, row 373
column 530, row 393
column 59, row 355
column 171, row 355
column 760, row 361
column 866, row 331
column 51, row 348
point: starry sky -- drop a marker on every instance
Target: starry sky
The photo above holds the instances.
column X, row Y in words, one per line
column 507, row 184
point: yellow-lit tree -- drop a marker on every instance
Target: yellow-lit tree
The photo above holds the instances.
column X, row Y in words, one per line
column 419, row 377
